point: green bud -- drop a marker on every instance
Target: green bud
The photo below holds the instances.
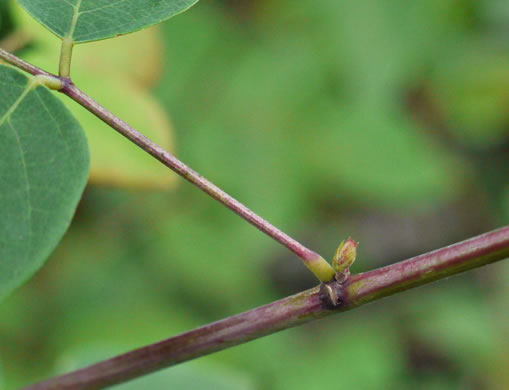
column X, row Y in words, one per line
column 345, row 256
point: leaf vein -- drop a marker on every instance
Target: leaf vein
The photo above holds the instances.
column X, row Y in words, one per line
column 75, row 17
column 28, row 215
column 113, row 4
column 15, row 105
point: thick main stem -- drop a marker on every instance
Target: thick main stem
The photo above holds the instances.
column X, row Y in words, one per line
column 321, row 268
column 288, row 312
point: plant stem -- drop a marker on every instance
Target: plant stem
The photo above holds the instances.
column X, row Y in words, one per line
column 64, row 66
column 315, row 263
column 21, row 64
column 321, row 268
column 289, row 312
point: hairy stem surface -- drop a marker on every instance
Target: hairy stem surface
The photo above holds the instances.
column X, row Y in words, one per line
column 289, row 312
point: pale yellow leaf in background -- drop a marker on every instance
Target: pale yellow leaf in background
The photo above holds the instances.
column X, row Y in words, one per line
column 118, row 74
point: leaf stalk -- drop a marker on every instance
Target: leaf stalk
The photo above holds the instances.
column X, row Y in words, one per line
column 64, row 66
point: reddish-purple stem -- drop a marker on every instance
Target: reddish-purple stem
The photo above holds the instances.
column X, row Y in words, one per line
column 288, row 312
column 71, row 90
column 21, row 64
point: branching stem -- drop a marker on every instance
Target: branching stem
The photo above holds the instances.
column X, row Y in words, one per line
column 289, row 312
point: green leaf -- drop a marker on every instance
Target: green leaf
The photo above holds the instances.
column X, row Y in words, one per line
column 92, row 20
column 44, row 167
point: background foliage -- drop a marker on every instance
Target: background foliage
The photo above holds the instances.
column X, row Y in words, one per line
column 386, row 121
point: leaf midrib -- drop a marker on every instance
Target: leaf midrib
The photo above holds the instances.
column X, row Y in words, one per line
column 18, row 101
column 75, row 17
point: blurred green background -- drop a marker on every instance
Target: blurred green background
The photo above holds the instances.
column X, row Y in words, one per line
column 385, row 121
